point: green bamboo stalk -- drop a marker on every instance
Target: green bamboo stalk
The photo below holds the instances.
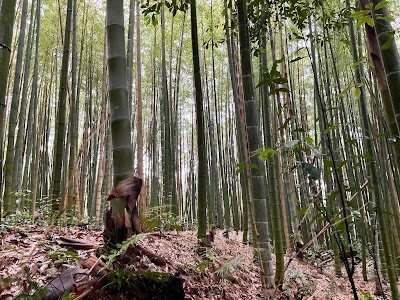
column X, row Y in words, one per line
column 201, row 149
column 258, row 180
column 9, row 185
column 59, row 148
column 7, row 16
column 122, row 150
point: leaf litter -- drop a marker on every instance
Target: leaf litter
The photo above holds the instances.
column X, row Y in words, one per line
column 227, row 270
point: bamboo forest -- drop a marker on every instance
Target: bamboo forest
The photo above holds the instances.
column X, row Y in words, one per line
column 209, row 149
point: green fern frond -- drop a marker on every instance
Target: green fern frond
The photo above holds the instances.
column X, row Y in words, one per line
column 226, row 270
column 133, row 240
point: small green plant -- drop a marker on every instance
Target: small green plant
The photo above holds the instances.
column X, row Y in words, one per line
column 6, row 282
column 153, row 285
column 225, row 271
column 312, row 257
column 122, row 248
column 161, row 218
column 13, row 219
column 44, row 207
column 297, row 285
column 64, row 256
column 22, row 198
column 123, row 278
column 31, row 290
column 5, row 228
column 66, row 295
column 209, row 260
column 366, row 295
column 204, row 265
column 22, row 212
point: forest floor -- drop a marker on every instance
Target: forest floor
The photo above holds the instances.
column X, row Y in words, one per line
column 30, row 259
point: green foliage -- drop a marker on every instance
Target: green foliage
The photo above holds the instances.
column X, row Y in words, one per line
column 357, row 92
column 31, row 290
column 297, row 285
column 122, row 248
column 22, row 196
column 21, row 214
column 161, row 218
column 204, row 265
column 142, row 280
column 6, row 282
column 152, row 8
column 65, row 220
column 149, row 284
column 64, row 256
column 66, row 295
column 43, row 206
column 272, row 78
column 253, row 166
column 381, row 5
column 344, row 92
column 240, row 167
column 366, row 295
column 225, row 270
column 363, row 16
column 209, row 260
column 387, row 44
column 314, row 258
column 339, row 224
column 309, row 145
column 312, row 172
column 26, row 296
column 291, row 144
column 264, row 154
column 14, row 219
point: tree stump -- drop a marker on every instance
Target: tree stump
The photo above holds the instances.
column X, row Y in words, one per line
column 121, row 225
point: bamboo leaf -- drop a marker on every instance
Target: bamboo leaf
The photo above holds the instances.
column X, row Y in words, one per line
column 381, row 5
column 240, row 168
column 357, row 92
column 309, row 139
column 291, row 144
column 283, row 90
column 328, row 163
column 314, row 149
column 359, row 14
column 302, row 211
column 340, row 226
column 296, row 59
column 266, row 154
column 387, row 45
column 347, row 42
column 387, row 18
column 344, row 92
column 370, row 22
column 279, row 80
column 342, row 163
column 352, row 141
column 313, row 172
column 253, row 166
column 362, row 21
